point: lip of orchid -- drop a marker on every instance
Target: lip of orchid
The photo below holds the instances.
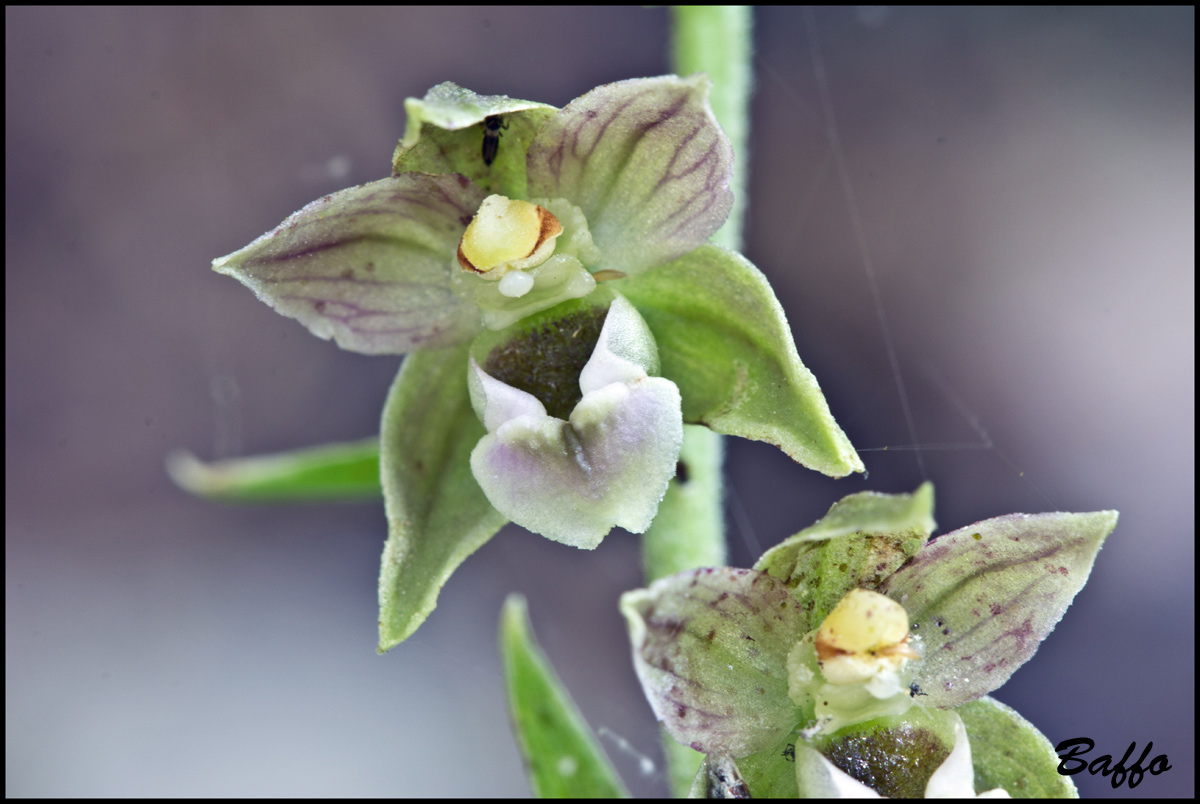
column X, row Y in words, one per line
column 607, row 464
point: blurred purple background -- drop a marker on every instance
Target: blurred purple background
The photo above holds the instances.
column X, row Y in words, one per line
column 1024, row 185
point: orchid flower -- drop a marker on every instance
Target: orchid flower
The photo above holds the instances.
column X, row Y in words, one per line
column 550, row 272
column 857, row 645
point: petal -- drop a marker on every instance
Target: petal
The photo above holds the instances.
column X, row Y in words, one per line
column 369, row 266
column 817, row 777
column 574, row 481
column 495, row 402
column 646, row 161
column 983, row 598
column 955, row 777
column 863, row 539
column 710, row 648
column 483, row 137
column 625, row 351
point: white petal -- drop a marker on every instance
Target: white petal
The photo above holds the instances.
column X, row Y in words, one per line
column 608, row 466
column 625, row 351
column 496, row 402
column 955, row 778
column 573, row 482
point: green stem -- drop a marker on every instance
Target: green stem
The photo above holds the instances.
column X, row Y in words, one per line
column 717, row 40
column 689, row 530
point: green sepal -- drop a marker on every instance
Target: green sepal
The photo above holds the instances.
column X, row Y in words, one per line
column 1010, row 752
column 445, row 132
column 437, row 514
column 562, row 755
column 331, row 472
column 369, row 266
column 723, row 339
column 981, row 599
column 863, row 539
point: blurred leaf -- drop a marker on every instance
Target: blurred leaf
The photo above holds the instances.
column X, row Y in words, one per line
column 347, row 471
column 562, row 756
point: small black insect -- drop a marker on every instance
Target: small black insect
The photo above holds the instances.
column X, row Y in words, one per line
column 915, row 689
column 492, row 125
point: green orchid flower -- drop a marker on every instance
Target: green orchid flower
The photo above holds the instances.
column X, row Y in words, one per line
column 858, row 644
column 549, row 271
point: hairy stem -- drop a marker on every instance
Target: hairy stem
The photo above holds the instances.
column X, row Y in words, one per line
column 689, row 530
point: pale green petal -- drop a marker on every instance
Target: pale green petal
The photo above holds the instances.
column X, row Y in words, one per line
column 647, row 163
column 817, row 777
column 955, row 777
column 983, row 598
column 710, row 648
column 495, row 402
column 625, row 351
column 369, row 266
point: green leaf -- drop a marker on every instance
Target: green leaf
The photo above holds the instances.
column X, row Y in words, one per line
column 445, row 134
column 647, row 163
column 437, row 514
column 710, row 647
column 982, row 598
column 723, row 339
column 347, row 471
column 1010, row 752
column 369, row 266
column 863, row 539
column 562, row 756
